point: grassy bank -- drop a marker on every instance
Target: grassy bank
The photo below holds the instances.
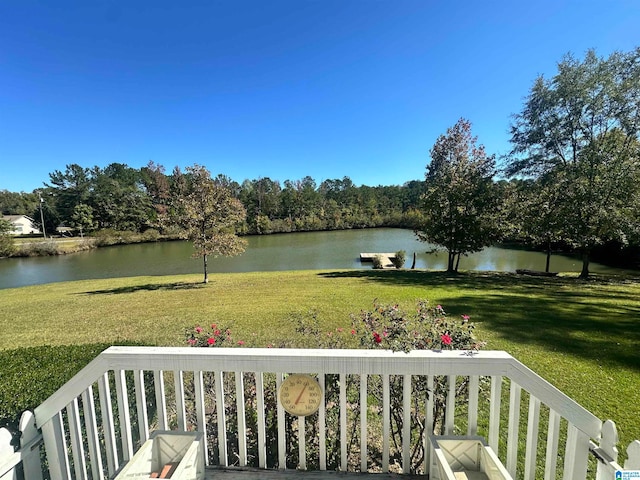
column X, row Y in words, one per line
column 31, row 246
column 581, row 336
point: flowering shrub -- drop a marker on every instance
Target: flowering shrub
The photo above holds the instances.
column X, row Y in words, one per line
column 213, row 336
column 388, row 327
column 428, row 328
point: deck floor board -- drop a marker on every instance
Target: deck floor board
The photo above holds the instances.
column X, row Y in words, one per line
column 231, row 473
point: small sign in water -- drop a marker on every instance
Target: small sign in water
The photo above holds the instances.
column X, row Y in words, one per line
column 627, row 474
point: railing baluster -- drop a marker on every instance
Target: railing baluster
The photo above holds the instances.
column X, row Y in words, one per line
column 141, row 405
column 428, row 420
column 161, row 399
column 532, row 438
column 106, row 411
column 474, row 393
column 576, row 454
column 494, row 412
column 607, row 448
column 222, row 424
column 363, row 423
column 282, row 445
column 406, row 423
column 56, row 447
column 262, row 429
column 201, row 419
column 514, row 421
column 181, row 415
column 322, row 418
column 242, row 422
column 386, row 422
column 343, row 422
column 553, row 436
column 75, row 435
column 450, row 411
column 91, row 426
column 633, row 456
column 124, row 415
column 302, row 441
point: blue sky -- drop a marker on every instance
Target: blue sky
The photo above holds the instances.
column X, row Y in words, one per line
column 276, row 88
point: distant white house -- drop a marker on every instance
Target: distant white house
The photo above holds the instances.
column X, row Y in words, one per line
column 22, row 225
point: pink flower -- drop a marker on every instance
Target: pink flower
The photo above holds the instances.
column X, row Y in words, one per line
column 465, row 318
column 240, row 342
column 446, row 338
column 353, row 332
column 198, row 329
column 339, row 330
column 439, row 307
column 211, row 340
column 213, row 326
column 192, row 341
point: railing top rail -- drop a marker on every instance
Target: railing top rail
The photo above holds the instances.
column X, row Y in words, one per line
column 70, row 390
column 419, row 362
column 289, row 360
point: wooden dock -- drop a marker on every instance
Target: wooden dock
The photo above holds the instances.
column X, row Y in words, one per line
column 385, row 257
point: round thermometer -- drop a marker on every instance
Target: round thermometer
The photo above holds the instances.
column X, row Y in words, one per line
column 300, row 395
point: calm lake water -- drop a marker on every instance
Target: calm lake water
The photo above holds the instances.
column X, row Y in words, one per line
column 293, row 251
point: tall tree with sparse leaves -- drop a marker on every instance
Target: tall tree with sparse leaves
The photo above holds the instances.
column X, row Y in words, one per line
column 581, row 127
column 210, row 215
column 460, row 204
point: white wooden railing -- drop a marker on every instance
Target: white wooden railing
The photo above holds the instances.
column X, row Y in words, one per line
column 94, row 423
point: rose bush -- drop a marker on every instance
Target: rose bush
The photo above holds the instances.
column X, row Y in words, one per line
column 386, row 326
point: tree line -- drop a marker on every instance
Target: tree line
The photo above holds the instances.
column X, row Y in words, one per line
column 122, row 198
column 571, row 181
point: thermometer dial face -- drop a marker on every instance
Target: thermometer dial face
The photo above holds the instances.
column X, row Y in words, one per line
column 300, row 395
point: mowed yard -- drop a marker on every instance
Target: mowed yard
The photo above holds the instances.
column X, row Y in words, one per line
column 582, row 336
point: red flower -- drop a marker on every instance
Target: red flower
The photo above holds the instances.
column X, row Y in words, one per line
column 211, row 340
column 240, row 342
column 353, row 332
column 377, row 337
column 446, row 338
column 198, row 329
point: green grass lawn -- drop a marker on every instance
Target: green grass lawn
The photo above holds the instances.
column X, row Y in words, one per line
column 581, row 336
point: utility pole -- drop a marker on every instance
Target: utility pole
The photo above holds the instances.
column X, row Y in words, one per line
column 44, row 233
